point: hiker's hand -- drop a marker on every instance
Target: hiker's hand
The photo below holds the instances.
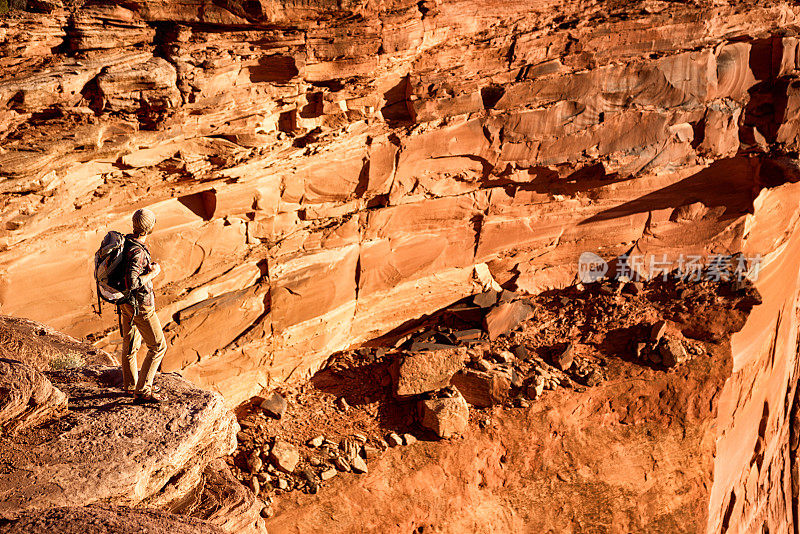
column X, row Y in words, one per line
column 155, row 269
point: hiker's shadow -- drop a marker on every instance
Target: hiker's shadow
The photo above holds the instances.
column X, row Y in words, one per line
column 97, row 396
column 88, row 407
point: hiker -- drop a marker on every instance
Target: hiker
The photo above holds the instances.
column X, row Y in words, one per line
column 138, row 319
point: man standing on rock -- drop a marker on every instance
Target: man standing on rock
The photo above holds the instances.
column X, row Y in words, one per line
column 138, row 317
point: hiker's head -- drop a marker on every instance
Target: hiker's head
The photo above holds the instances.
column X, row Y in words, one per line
column 143, row 222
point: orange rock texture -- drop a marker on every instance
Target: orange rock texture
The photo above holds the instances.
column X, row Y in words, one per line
column 325, row 171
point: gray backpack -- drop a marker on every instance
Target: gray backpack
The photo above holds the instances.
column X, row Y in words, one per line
column 109, row 269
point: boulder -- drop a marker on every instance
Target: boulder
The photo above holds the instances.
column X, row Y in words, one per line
column 486, row 299
column 484, row 365
column 394, row 440
column 359, row 465
column 484, row 277
column 311, row 479
column 421, row 372
column 565, row 358
column 536, row 387
column 275, row 405
column 505, row 317
column 446, row 417
column 254, row 462
column 351, row 448
column 225, row 502
column 28, row 397
column 482, row 388
column 284, row 456
column 672, row 351
column 107, row 449
column 520, row 351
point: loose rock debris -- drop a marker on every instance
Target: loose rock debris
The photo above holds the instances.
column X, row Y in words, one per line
column 431, row 380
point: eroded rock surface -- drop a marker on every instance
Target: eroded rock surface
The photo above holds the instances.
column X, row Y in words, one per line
column 106, row 449
column 325, row 172
column 27, row 397
column 44, row 348
column 225, row 502
column 102, row 520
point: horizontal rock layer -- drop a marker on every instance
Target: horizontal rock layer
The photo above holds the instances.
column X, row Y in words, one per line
column 324, row 172
column 353, row 173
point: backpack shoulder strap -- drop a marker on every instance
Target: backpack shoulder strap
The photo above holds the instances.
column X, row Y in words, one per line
column 129, row 242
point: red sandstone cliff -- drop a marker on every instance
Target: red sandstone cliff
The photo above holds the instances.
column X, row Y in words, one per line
column 325, row 171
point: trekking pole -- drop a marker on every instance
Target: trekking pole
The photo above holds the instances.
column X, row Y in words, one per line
column 99, row 303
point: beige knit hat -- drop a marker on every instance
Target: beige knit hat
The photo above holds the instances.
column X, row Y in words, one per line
column 143, row 221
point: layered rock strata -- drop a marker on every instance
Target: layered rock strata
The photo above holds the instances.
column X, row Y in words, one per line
column 324, row 172
column 346, row 166
column 29, row 398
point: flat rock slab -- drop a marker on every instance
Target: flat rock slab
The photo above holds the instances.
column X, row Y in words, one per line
column 421, row 372
column 468, row 335
column 106, row 449
column 103, row 520
column 565, row 358
column 418, row 346
column 503, row 318
column 284, row 456
column 27, row 397
column 485, row 299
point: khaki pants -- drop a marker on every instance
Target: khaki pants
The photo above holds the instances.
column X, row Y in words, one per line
column 147, row 327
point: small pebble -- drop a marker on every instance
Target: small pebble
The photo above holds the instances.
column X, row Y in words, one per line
column 342, row 404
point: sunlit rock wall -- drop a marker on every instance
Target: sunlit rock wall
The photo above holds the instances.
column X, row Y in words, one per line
column 324, row 172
